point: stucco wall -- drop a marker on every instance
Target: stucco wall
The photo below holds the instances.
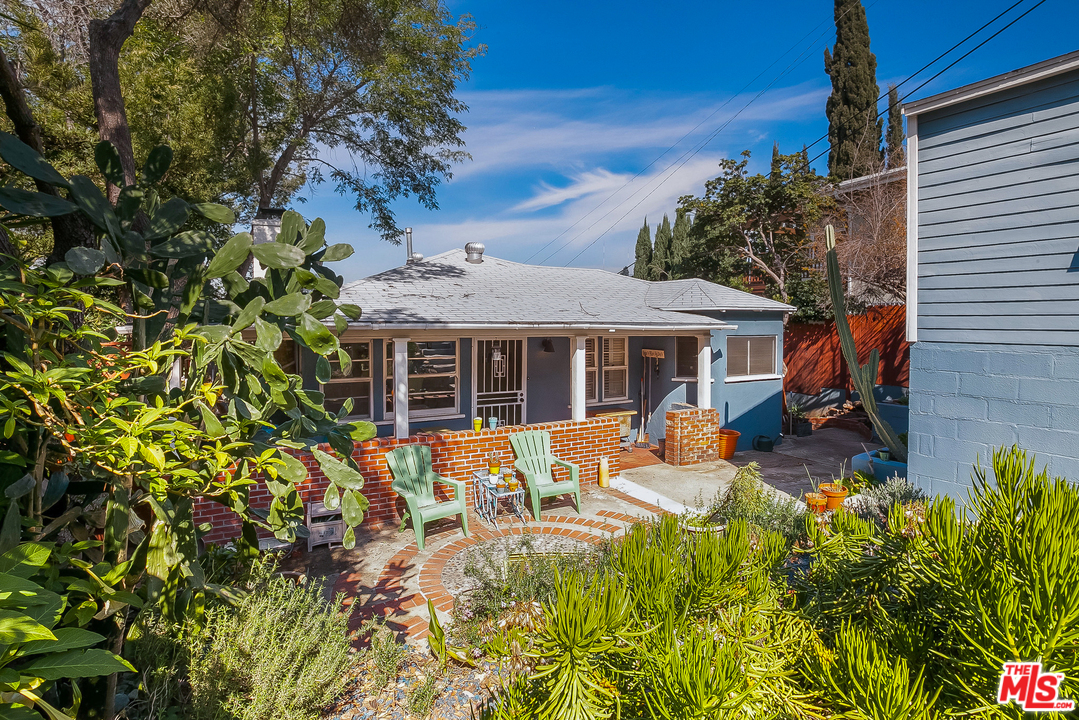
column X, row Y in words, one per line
column 967, row 399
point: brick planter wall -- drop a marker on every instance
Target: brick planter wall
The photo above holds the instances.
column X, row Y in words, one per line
column 692, row 436
column 454, row 455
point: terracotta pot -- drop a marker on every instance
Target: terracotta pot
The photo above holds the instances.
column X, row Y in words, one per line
column 816, row 502
column 728, row 441
column 835, row 494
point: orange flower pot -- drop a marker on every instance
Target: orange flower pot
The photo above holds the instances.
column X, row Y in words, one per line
column 728, row 441
column 816, row 502
column 835, row 494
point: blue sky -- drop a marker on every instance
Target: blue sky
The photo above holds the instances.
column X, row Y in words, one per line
column 574, row 99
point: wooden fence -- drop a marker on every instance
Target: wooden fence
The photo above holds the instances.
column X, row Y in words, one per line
column 814, row 361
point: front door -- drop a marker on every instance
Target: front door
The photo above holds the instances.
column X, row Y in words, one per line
column 500, row 381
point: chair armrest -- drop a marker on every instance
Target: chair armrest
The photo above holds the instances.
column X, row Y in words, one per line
column 565, row 464
column 459, row 486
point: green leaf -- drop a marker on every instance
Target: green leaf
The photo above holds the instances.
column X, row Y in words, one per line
column 77, row 664
column 349, row 539
column 149, row 278
column 156, row 165
column 108, row 162
column 339, row 325
column 235, row 284
column 316, row 237
column 278, row 256
column 322, row 369
column 20, row 487
column 328, row 287
column 291, row 227
column 339, row 251
column 230, row 256
column 293, row 469
column 323, row 309
column 66, row 639
column 24, row 560
column 215, row 213
column 247, row 316
column 317, row 337
column 84, row 260
column 28, row 161
column 332, row 497
column 18, row 627
column 273, row 374
column 214, row 428
column 352, row 311
column 191, row 243
column 289, row 305
column 267, row 335
column 360, row 431
column 168, row 219
column 337, row 472
column 117, row 518
column 94, row 204
column 34, row 204
column 345, row 361
column 19, row 592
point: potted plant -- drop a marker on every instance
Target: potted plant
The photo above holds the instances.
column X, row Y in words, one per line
column 816, row 500
column 799, row 423
column 837, row 490
column 493, row 463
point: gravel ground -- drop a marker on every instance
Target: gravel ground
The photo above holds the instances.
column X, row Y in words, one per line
column 495, row 552
column 458, row 689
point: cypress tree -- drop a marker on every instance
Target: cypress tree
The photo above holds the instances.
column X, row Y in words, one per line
column 894, row 136
column 642, row 259
column 679, row 242
column 661, row 252
column 854, row 129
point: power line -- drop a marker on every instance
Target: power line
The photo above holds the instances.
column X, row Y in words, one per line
column 680, row 140
column 822, row 153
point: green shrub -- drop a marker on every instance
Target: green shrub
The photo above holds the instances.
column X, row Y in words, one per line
column 747, row 498
column 281, row 653
column 384, row 653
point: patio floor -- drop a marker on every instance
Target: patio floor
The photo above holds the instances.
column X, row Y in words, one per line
column 388, row 575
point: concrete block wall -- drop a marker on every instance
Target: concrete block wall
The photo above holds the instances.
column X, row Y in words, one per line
column 454, row 455
column 692, row 436
column 968, row 399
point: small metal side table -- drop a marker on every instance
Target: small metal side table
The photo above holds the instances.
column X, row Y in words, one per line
column 487, row 494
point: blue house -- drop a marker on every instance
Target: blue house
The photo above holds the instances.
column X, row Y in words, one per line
column 993, row 273
column 461, row 335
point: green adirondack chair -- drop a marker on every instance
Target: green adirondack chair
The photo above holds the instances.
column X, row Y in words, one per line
column 414, row 480
column 534, row 459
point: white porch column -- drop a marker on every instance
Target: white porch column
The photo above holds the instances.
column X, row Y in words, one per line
column 577, row 379
column 704, row 371
column 400, row 388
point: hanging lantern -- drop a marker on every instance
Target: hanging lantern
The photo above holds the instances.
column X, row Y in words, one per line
column 498, row 362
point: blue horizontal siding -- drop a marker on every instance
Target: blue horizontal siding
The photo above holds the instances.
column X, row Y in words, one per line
column 998, row 217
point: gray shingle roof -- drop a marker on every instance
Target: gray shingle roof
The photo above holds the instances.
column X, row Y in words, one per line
column 446, row 291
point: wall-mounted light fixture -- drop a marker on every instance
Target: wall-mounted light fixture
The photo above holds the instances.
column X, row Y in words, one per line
column 547, row 345
column 498, row 362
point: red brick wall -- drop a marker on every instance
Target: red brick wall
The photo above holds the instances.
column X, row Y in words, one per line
column 692, row 436
column 454, row 455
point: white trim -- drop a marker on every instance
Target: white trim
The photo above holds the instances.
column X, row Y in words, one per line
column 704, row 371
column 912, row 228
column 688, row 380
column 577, row 379
column 997, row 83
column 548, row 328
column 752, row 378
column 400, row 387
column 776, row 349
column 370, row 380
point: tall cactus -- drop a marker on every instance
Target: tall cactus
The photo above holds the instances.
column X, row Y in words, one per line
column 864, row 377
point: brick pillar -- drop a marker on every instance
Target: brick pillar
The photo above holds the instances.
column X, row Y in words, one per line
column 692, row 436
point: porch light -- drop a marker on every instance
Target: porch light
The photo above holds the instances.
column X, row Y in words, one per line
column 547, row 346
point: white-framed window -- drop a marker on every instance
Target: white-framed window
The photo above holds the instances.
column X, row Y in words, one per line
column 606, row 373
column 685, row 357
column 433, row 378
column 750, row 356
column 353, row 381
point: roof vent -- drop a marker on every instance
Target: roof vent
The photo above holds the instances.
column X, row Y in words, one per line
column 474, row 252
column 410, row 257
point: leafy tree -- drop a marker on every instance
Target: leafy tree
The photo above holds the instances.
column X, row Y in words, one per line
column 679, row 242
column 757, row 222
column 854, row 130
column 896, row 157
column 642, row 262
column 97, row 438
column 661, row 251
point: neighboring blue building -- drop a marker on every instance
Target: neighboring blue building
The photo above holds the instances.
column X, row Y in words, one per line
column 993, row 273
column 463, row 335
